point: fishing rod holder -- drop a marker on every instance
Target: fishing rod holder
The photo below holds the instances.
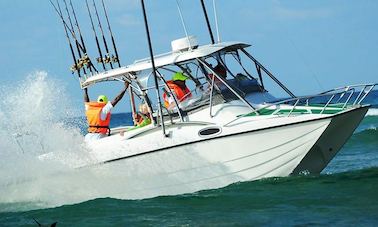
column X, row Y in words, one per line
column 107, row 59
column 115, row 59
column 83, row 61
column 74, row 68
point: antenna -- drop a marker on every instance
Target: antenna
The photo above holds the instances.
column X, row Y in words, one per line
column 183, row 24
column 216, row 21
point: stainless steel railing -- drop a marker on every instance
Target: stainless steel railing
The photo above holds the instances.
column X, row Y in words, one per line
column 362, row 91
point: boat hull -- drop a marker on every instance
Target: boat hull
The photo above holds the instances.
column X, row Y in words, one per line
column 212, row 163
column 334, row 137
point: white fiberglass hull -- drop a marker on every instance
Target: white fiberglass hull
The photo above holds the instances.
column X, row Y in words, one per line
column 334, row 137
column 213, row 162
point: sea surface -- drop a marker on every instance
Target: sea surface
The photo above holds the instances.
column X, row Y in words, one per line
column 344, row 194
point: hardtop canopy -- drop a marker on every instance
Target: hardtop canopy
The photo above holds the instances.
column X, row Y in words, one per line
column 160, row 60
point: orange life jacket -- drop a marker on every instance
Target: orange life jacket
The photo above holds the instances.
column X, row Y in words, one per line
column 180, row 93
column 93, row 113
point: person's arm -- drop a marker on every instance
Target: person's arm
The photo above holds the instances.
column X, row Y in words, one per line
column 86, row 96
column 120, row 95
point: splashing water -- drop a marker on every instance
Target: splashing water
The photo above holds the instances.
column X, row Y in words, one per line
column 36, row 141
column 36, row 112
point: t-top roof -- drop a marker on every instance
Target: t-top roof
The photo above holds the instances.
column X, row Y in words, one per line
column 162, row 60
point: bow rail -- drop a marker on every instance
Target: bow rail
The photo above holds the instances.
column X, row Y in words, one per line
column 339, row 99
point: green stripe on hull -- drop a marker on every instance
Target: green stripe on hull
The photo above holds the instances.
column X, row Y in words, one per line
column 265, row 112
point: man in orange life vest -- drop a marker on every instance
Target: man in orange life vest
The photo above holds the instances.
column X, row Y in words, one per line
column 179, row 88
column 98, row 114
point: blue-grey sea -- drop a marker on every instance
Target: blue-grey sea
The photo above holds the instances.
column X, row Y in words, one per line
column 344, row 194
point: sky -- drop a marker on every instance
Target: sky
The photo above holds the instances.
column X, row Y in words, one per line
column 311, row 46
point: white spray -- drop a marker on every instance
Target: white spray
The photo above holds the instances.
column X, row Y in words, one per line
column 33, row 127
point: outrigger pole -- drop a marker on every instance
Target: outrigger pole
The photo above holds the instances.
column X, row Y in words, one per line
column 94, row 31
column 207, row 22
column 116, row 59
column 153, row 66
column 107, row 55
column 74, row 67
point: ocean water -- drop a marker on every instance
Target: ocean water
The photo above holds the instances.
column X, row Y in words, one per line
column 344, row 194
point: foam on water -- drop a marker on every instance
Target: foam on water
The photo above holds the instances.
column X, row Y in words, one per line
column 372, row 112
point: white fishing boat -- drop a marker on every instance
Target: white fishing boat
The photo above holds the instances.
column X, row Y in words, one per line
column 230, row 129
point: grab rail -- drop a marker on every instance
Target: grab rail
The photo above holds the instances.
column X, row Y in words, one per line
column 341, row 91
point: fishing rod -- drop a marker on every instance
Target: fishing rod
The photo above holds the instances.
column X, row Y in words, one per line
column 85, row 58
column 107, row 55
column 153, row 67
column 74, row 66
column 65, row 24
column 94, row 31
column 207, row 22
column 77, row 26
column 116, row 58
column 79, row 63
